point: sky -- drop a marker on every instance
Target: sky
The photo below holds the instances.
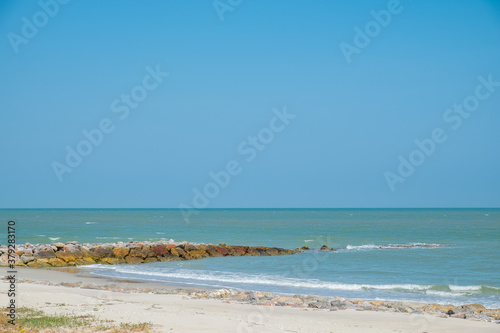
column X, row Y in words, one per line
column 236, row 104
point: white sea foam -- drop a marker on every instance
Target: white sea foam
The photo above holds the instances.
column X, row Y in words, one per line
column 444, row 293
column 362, row 247
column 90, row 222
column 54, row 238
column 308, row 240
column 224, row 277
column 420, row 292
column 464, row 288
column 94, row 266
column 391, row 246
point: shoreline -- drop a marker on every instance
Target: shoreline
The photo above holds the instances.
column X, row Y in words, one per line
column 81, row 292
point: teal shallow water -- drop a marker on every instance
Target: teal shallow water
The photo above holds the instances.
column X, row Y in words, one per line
column 367, row 265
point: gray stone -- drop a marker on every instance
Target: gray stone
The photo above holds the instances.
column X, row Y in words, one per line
column 252, row 297
column 366, row 305
column 337, row 304
column 318, row 305
column 25, row 258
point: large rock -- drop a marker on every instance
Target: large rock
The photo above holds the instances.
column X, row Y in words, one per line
column 65, row 256
column 160, row 250
column 78, row 254
column 202, row 247
column 37, row 264
column 101, row 252
column 120, row 252
column 45, row 254
column 240, row 249
column 143, row 252
column 272, row 251
column 147, row 252
column 183, row 254
column 378, row 303
column 55, row 262
column 232, row 252
column 438, row 308
column 213, row 252
column 222, row 250
column 476, row 307
column 493, row 313
column 198, row 254
column 285, row 300
column 26, row 258
column 84, row 261
column 188, row 247
column 134, row 260
column 262, row 251
column 287, row 251
column 252, row 297
column 111, row 261
column 251, row 251
column 321, row 305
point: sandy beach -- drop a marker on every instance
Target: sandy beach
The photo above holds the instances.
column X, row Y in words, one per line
column 182, row 313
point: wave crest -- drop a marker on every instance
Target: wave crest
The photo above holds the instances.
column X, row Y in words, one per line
column 222, row 278
column 391, row 246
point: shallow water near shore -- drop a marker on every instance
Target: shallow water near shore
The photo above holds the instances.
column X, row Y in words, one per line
column 425, row 255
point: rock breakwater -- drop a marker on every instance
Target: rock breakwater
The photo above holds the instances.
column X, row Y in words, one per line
column 75, row 254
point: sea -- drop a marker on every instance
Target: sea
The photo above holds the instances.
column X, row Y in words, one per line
column 448, row 256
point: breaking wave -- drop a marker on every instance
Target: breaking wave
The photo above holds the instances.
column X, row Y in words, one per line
column 391, row 246
column 162, row 274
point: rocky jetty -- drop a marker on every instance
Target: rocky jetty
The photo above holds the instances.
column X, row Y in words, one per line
column 75, row 254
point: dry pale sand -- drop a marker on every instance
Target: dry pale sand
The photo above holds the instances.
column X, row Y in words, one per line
column 177, row 313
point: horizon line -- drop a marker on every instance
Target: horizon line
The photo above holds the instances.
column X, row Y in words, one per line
column 243, row 208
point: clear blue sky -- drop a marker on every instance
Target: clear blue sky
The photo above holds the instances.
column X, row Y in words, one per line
column 353, row 120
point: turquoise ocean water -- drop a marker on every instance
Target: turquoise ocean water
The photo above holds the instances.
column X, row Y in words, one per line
column 368, row 264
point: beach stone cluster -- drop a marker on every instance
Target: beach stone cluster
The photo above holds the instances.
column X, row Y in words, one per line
column 469, row 311
column 310, row 302
column 75, row 254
